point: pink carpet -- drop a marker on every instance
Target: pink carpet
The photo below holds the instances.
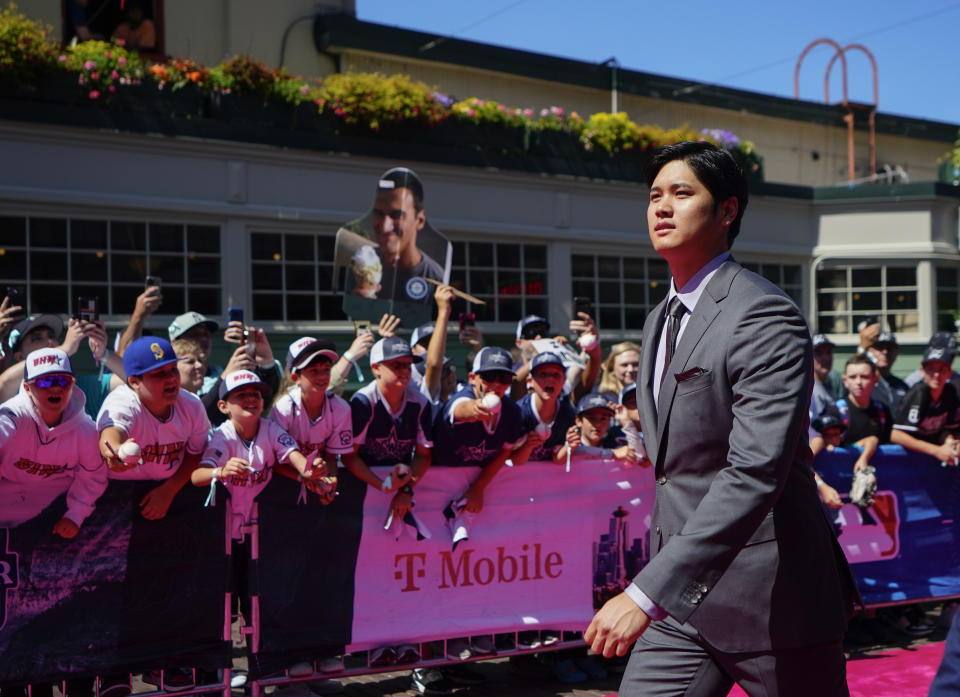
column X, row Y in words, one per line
column 893, row 673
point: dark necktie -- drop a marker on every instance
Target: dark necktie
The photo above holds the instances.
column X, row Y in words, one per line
column 675, row 312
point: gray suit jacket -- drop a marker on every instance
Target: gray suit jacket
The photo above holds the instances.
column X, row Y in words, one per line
column 741, row 547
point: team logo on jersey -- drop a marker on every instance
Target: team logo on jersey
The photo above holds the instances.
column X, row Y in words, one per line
column 346, row 438
column 157, row 351
column 416, row 288
column 8, row 573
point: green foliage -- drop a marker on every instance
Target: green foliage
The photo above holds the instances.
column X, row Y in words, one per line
column 373, row 99
column 487, row 111
column 178, row 73
column 243, row 75
column 26, row 49
column 610, row 132
column 103, row 66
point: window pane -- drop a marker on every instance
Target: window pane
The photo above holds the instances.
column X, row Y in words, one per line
column 13, row 264
column 49, row 266
column 904, row 322
column 865, row 278
column 203, row 270
column 331, row 307
column 132, row 236
column 792, row 275
column 300, row 277
column 509, row 282
column 535, row 256
column 535, row 283
column 481, row 254
column 324, row 277
column 459, row 253
column 535, row 307
column 867, row 302
column 581, row 265
column 166, row 238
column 771, row 272
column 206, row 301
column 508, row 255
column 901, row 276
column 633, row 269
column 609, row 291
column 48, row 232
column 174, row 300
column 169, row 268
column 945, row 277
column 832, row 325
column 635, row 318
column 831, row 302
column 832, row 278
column 267, row 306
column 129, row 268
column 657, row 291
column 481, row 282
column 584, row 289
column 511, row 309
column 298, row 247
column 267, row 276
column 301, row 307
column 91, row 234
column 608, row 267
column 264, row 246
column 609, row 318
column 13, row 231
column 325, row 247
column 49, row 298
column 901, row 300
column 89, row 266
column 203, row 238
column 946, row 300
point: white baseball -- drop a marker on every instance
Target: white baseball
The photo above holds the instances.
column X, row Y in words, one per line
column 542, row 430
column 129, row 452
column 401, row 470
column 490, row 402
column 587, row 341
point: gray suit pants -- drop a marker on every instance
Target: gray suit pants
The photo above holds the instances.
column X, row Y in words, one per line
column 672, row 660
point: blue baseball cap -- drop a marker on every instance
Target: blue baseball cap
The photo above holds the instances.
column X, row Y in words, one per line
column 630, row 389
column 545, row 358
column 593, row 401
column 390, row 348
column 532, row 320
column 421, row 333
column 28, row 324
column 146, row 354
column 493, row 358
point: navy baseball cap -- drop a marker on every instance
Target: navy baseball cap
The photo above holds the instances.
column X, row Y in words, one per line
column 593, row 401
column 390, row 348
column 630, row 389
column 146, row 354
column 25, row 326
column 305, row 349
column 885, row 338
column 941, row 347
column 822, row 340
column 242, row 378
column 493, row 358
column 421, row 333
column 545, row 358
column 829, row 418
column 532, row 320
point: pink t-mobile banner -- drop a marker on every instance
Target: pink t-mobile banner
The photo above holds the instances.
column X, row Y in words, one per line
column 546, row 547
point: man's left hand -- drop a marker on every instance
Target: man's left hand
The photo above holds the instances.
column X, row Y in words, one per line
column 616, row 626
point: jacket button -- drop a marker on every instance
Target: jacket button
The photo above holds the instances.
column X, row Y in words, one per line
column 657, row 529
column 661, row 480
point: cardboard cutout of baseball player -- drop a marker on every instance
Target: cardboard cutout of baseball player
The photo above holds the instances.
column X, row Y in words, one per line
column 388, row 253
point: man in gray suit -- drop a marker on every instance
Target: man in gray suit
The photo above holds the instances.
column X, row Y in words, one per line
column 746, row 582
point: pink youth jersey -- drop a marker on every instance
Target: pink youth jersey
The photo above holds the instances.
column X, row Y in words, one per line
column 332, row 431
column 162, row 443
column 38, row 463
column 271, row 445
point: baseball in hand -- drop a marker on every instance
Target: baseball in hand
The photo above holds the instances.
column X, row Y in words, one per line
column 587, row 341
column 542, row 430
column 490, row 402
column 129, row 453
column 400, row 471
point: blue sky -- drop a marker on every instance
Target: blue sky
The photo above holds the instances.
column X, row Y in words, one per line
column 749, row 45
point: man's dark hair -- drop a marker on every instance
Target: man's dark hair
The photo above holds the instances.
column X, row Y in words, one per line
column 714, row 167
column 403, row 178
column 860, row 359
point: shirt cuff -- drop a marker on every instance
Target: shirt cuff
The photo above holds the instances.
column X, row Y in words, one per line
column 650, row 608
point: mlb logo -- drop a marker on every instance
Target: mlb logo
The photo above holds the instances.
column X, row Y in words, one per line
column 872, row 534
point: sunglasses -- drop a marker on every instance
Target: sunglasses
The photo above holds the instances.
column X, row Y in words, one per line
column 501, row 376
column 533, row 331
column 47, row 381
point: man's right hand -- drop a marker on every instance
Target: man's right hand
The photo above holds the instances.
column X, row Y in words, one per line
column 240, row 360
column 616, row 626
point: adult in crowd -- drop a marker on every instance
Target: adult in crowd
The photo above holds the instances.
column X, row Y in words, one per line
column 823, row 371
column 619, row 369
column 580, row 376
column 821, row 397
column 191, row 362
column 729, row 594
column 137, row 31
column 889, row 389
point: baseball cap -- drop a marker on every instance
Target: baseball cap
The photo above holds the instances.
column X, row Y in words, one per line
column 941, row 347
column 392, row 347
column 593, row 401
column 531, row 320
column 885, row 338
column 402, row 178
column 822, row 340
column 828, row 419
column 492, row 358
column 25, row 326
column 630, row 389
column 187, row 321
column 545, row 358
column 305, row 349
column 146, row 354
column 46, row 361
column 240, row 378
column 421, row 333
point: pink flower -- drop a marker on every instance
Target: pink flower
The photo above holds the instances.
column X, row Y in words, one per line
column 62, row 58
column 501, row 107
column 112, row 88
column 470, row 112
column 107, row 54
column 480, row 102
column 121, row 42
column 528, row 112
column 94, row 94
column 114, row 74
column 89, row 65
column 304, row 89
column 121, row 60
column 556, row 110
column 94, row 76
column 81, row 80
column 544, row 112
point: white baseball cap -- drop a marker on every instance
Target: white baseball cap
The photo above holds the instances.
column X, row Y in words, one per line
column 46, row 361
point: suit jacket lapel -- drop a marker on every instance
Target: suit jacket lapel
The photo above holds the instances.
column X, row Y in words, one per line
column 706, row 311
column 648, row 357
